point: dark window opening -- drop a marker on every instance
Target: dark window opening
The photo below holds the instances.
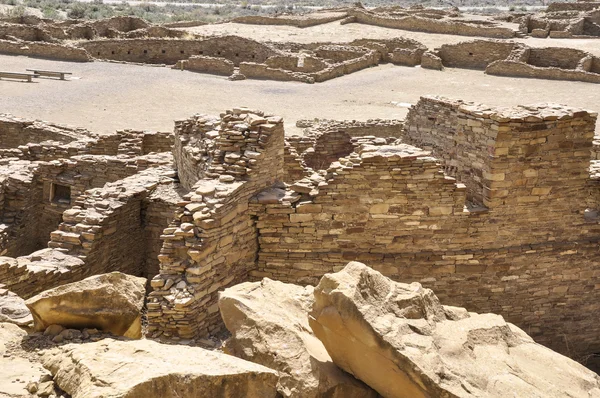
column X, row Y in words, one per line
column 471, row 54
column 98, row 52
column 145, row 51
column 60, row 194
column 128, row 51
column 201, row 52
column 218, row 52
column 181, row 51
column 252, row 56
column 112, row 52
column 237, row 55
column 164, row 51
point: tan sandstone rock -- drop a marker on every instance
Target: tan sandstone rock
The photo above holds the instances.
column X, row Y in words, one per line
column 401, row 341
column 144, row 369
column 110, row 302
column 268, row 321
column 13, row 309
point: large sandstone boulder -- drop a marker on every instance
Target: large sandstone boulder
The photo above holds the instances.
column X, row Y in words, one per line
column 110, row 302
column 398, row 339
column 268, row 321
column 13, row 309
column 144, row 369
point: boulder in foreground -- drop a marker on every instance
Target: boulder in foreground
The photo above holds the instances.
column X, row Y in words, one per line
column 143, row 369
column 13, row 309
column 110, row 302
column 402, row 342
column 268, row 321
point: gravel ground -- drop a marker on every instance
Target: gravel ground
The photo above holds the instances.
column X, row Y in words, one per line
column 106, row 96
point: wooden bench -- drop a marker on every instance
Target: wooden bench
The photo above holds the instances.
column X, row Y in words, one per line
column 49, row 73
column 21, row 76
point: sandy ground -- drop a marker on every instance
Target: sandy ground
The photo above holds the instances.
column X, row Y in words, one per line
column 334, row 32
column 106, row 96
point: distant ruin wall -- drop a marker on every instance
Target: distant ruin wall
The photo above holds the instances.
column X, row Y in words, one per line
column 475, row 54
column 169, row 51
column 44, row 50
column 519, row 69
column 578, row 6
column 419, row 24
column 205, row 64
column 300, row 21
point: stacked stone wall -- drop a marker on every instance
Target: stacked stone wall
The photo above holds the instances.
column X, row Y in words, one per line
column 205, row 64
column 393, row 207
column 420, row 24
column 169, row 51
column 212, row 242
column 475, row 54
column 44, row 50
column 300, row 21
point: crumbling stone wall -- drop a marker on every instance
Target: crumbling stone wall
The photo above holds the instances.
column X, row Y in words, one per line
column 212, row 242
column 393, row 206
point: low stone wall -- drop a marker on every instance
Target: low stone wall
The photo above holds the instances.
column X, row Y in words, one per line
column 520, row 69
column 419, row 24
column 44, row 269
column 578, row 6
column 212, row 241
column 361, row 60
column 205, row 64
column 475, row 54
column 44, row 50
column 300, row 21
column 16, row 132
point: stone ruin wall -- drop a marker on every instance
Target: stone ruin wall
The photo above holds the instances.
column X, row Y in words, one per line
column 206, row 64
column 461, row 215
column 169, row 51
column 578, row 6
column 212, row 242
column 429, row 25
column 516, row 59
column 300, row 21
column 122, row 213
column 399, row 212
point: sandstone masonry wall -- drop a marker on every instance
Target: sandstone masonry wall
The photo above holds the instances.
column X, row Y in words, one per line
column 393, row 206
column 212, row 242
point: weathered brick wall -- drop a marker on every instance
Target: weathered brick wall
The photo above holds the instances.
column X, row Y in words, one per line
column 212, row 242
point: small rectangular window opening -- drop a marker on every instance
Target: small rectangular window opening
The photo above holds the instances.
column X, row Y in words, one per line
column 60, row 194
